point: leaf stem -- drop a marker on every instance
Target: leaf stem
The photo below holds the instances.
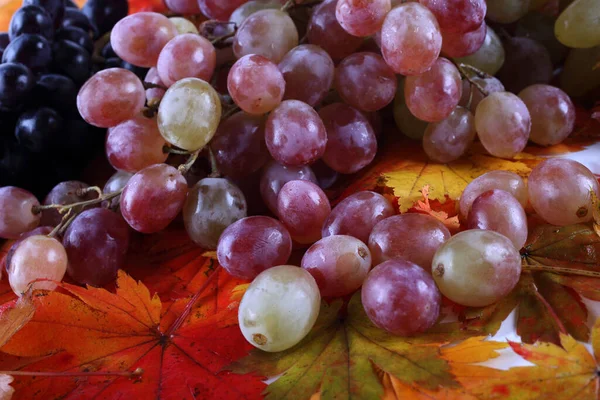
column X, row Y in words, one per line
column 137, row 372
column 560, row 270
column 553, row 314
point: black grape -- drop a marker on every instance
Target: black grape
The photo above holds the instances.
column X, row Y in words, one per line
column 105, row 13
column 16, row 81
column 56, row 8
column 37, row 130
column 72, row 60
column 76, row 18
column 57, row 91
column 31, row 19
column 4, row 41
column 77, row 36
column 33, row 51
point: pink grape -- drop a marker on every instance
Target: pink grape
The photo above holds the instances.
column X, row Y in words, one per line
column 502, row 180
column 449, row 139
column 499, row 211
column 186, row 56
column 116, row 183
column 351, row 142
column 552, row 114
column 463, row 44
column 135, row 144
column 153, row 197
column 365, row 81
column 253, row 244
column 183, row 6
column 275, row 175
column 64, row 193
column 245, row 10
column 357, row 215
column 490, row 85
column 155, row 94
column 110, row 97
column 295, row 134
column 401, row 298
column 560, row 191
column 40, row 230
column 268, row 33
column 503, row 112
column 256, row 84
column 338, row 263
column 325, row 31
column 219, row 9
column 16, row 215
column 308, row 72
column 362, row 18
column 458, row 16
column 140, row 37
column 302, row 207
column 434, row 94
column 410, row 39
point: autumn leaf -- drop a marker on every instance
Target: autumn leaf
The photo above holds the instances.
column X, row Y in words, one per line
column 424, row 206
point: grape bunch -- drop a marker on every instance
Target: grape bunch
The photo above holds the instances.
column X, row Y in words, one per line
column 47, row 54
column 240, row 125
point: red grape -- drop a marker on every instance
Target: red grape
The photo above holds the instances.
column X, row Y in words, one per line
column 186, row 56
column 463, row 44
column 361, row 18
column 16, row 215
column 219, row 9
column 458, row 16
column 275, row 175
column 449, row 139
column 64, row 193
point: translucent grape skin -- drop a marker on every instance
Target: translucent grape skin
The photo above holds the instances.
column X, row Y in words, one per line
column 183, row 25
column 457, row 16
column 268, row 33
column 140, row 37
column 240, row 14
column 135, row 144
column 552, row 114
column 64, row 193
column 401, row 298
column 37, row 257
column 365, row 81
column 308, row 72
column 410, row 39
column 463, row 44
column 502, row 180
column 302, row 207
column 524, row 51
column 211, row 206
column 16, row 215
column 351, row 142
column 499, row 211
column 116, row 183
column 412, row 237
column 219, row 9
column 577, row 26
column 490, row 56
column 153, row 197
column 338, row 263
column 275, row 175
column 362, row 18
column 449, row 139
column 253, row 244
column 96, row 243
column 434, row 94
column 559, row 191
column 189, row 114
column 40, row 230
column 476, row 268
column 490, row 85
column 256, row 84
column 110, row 97
column 503, row 112
column 153, row 95
column 186, row 56
column 279, row 308
column 295, row 134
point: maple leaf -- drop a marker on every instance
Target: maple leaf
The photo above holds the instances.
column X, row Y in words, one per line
column 424, row 206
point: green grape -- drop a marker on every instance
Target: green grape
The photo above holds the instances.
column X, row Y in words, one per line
column 408, row 124
column 579, row 75
column 506, row 11
column 578, row 25
column 490, row 56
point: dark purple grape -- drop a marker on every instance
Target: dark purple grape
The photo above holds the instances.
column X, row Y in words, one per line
column 16, row 81
column 37, row 130
column 31, row 19
column 79, row 19
column 105, row 13
column 72, row 60
column 68, row 192
column 77, row 36
column 56, row 91
column 56, row 8
column 520, row 52
column 33, row 51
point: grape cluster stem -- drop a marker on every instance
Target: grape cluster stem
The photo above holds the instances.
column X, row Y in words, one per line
column 467, row 72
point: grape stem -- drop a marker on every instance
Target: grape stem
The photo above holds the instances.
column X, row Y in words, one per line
column 215, row 173
column 62, row 208
column 467, row 72
column 171, row 150
column 183, row 168
column 150, row 85
column 220, row 39
column 137, row 372
column 83, row 191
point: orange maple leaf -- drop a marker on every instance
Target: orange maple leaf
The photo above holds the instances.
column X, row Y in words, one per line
column 424, row 206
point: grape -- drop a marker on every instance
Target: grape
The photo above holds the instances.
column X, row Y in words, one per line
column 267, row 33
column 212, row 205
column 139, row 38
column 4, row 41
column 502, row 180
column 255, row 84
column 116, row 183
column 37, row 130
column 154, row 95
column 503, row 112
column 338, row 263
column 351, row 143
column 219, row 9
column 135, row 144
column 248, row 8
column 308, row 72
column 105, row 14
column 16, row 214
column 540, row 27
column 449, row 139
column 577, row 26
column 111, row 97
column 408, row 124
column 275, row 175
column 559, row 191
column 303, row 207
column 74, row 17
column 365, row 81
column 376, row 121
column 183, row 6
column 433, row 95
column 54, row 8
column 457, row 16
column 410, row 39
column 490, row 85
column 506, row 11
column 40, row 230
column 33, row 51
column 71, row 60
column 37, row 257
column 186, row 56
column 580, row 75
column 552, row 114
column 295, row 134
column 325, row 31
column 96, row 243
column 362, row 18
column 153, row 197
column 189, row 114
column 401, row 298
column 183, row 25
column 279, row 308
column 490, row 56
column 524, row 51
column 326, row 177
column 31, row 19
column 476, row 268
column 77, row 36
column 64, row 193
column 463, row 44
column 253, row 244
